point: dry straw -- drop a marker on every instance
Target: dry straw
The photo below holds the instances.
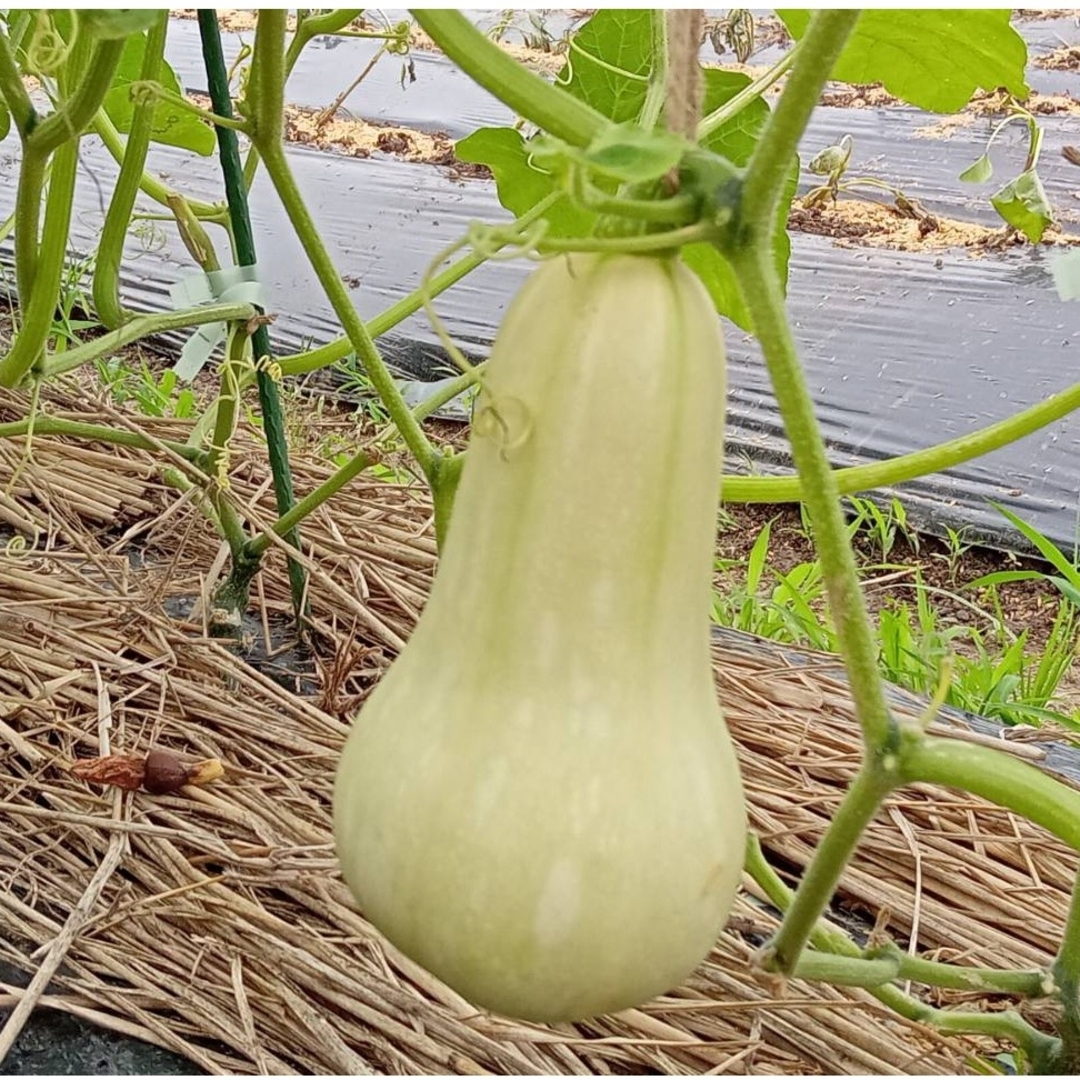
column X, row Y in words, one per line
column 213, row 922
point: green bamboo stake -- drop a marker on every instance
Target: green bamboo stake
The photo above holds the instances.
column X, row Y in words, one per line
column 236, row 193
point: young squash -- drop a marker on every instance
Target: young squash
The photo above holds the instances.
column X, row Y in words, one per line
column 540, row 802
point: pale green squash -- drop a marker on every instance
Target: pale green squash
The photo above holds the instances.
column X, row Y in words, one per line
column 540, row 802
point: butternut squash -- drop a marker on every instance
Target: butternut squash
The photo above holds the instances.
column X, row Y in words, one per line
column 540, row 802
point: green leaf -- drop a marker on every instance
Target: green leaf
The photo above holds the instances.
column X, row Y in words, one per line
column 735, row 141
column 631, row 155
column 117, row 23
column 930, row 58
column 609, row 63
column 1046, row 548
column 5, row 120
column 173, row 125
column 1023, row 204
column 979, row 171
column 521, row 185
column 626, row 153
column 1068, row 590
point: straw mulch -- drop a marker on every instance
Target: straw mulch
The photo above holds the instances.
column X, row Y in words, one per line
column 213, row 921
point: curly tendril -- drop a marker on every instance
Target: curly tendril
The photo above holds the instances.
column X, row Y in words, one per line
column 144, row 91
column 17, row 547
column 268, row 366
column 47, row 52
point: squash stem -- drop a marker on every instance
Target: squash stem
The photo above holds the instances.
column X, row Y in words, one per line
column 768, row 168
column 857, row 809
column 897, row 470
column 756, row 274
column 527, row 94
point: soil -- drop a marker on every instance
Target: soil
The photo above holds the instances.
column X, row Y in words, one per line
column 1065, row 58
column 855, row 222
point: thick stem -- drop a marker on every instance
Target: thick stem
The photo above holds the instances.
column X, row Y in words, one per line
column 767, row 170
column 1066, row 971
column 39, row 307
column 106, row 284
column 758, row 282
column 28, row 194
column 307, row 28
column 79, row 109
column 996, row 776
column 856, row 811
column 52, row 425
column 527, row 94
column 768, row 489
column 14, row 92
column 143, row 326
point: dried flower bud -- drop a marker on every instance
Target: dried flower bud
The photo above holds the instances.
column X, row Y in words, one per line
column 159, row 772
column 165, row 772
column 125, row 771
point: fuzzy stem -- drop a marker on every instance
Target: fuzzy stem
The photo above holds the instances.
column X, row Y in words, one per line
column 143, row 326
column 527, row 94
column 897, row 470
column 757, row 277
column 856, row 811
column 996, row 776
column 14, row 92
column 39, row 306
column 106, row 283
column 768, row 168
column 52, row 425
column 1066, row 971
column 79, row 109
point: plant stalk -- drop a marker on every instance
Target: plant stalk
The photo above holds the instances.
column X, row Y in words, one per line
column 106, row 283
column 277, row 166
column 770, row 162
column 39, row 305
column 857, row 809
column 271, row 79
column 143, row 326
column 527, row 94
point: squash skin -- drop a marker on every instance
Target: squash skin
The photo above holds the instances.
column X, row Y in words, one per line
column 540, row 801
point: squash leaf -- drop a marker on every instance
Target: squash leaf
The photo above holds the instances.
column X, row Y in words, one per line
column 172, row 125
column 521, row 184
column 608, row 68
column 609, row 63
column 735, row 141
column 1023, row 204
column 117, row 22
column 979, row 171
column 930, row 58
